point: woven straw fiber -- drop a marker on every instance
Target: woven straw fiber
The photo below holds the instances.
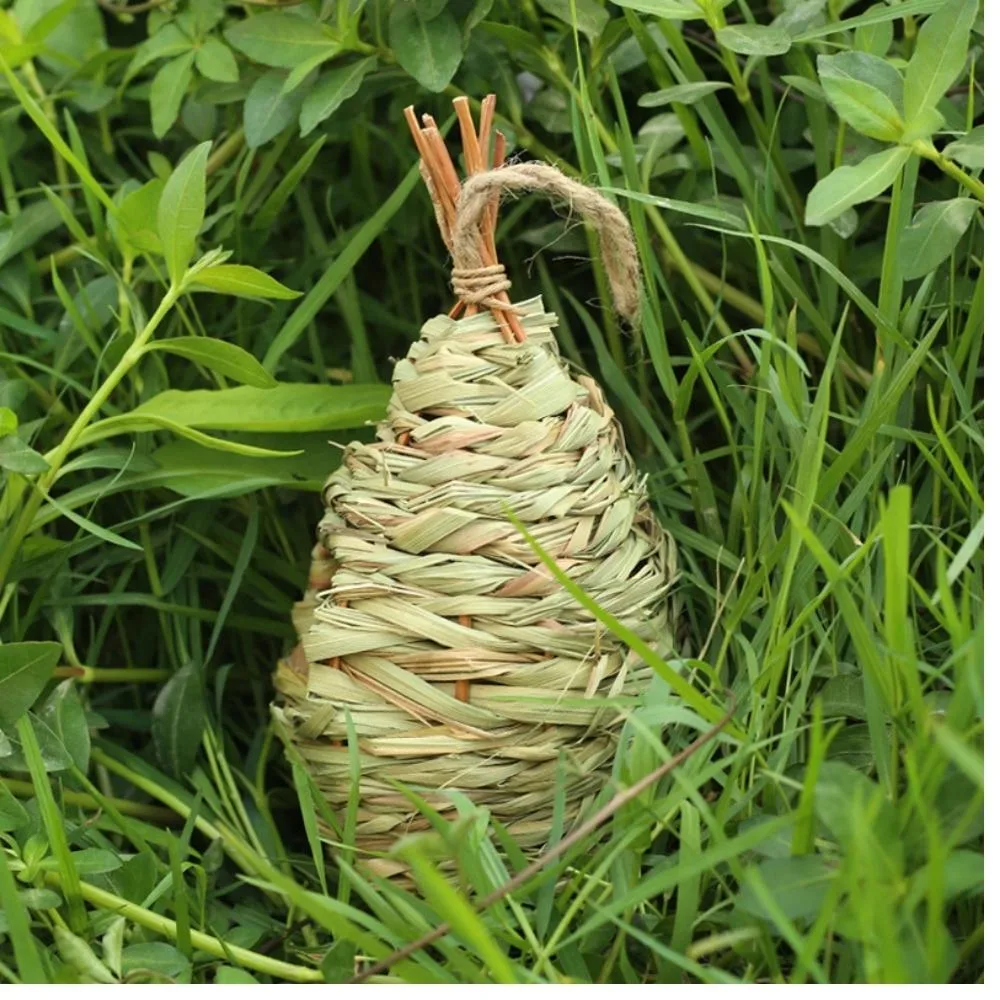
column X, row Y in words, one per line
column 421, row 583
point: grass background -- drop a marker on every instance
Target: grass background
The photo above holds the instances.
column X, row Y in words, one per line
column 806, row 400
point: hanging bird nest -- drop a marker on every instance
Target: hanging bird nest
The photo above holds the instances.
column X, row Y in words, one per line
column 437, row 650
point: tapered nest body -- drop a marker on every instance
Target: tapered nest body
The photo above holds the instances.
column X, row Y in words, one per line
column 437, row 649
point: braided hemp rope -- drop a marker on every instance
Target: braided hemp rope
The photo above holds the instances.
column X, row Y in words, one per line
column 477, row 284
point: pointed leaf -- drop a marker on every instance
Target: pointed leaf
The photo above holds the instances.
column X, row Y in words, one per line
column 848, row 186
column 865, row 91
column 222, row 357
column 281, row 39
column 215, row 61
column 167, row 41
column 969, row 149
column 167, row 92
column 178, row 720
column 12, row 813
column 289, row 408
column 19, row 457
column 243, row 281
column 181, row 210
column 430, row 51
column 933, row 235
column 63, row 713
column 137, row 217
column 25, row 668
column 938, row 58
column 754, row 39
column 331, row 90
column 682, row 93
column 268, row 110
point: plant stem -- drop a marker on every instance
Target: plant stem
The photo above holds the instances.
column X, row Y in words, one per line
column 235, row 848
column 203, row 942
column 114, row 675
column 925, row 149
column 58, row 455
column 153, row 814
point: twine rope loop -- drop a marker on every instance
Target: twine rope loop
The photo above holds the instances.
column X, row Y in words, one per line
column 475, row 283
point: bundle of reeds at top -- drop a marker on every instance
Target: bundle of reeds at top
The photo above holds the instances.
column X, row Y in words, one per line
column 437, row 649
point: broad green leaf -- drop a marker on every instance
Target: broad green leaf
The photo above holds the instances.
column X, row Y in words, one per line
column 178, row 720
column 801, row 15
column 588, row 16
column 865, row 91
column 26, row 228
column 968, row 150
column 306, row 67
column 181, row 210
column 849, row 186
column 72, row 33
column 331, row 90
column 19, row 457
column 268, row 110
column 219, row 355
column 229, row 975
column 796, row 885
column 933, row 235
column 54, row 756
column 281, row 39
column 680, row 10
column 938, row 58
column 12, row 813
column 167, row 92
column 138, row 422
column 95, row 861
column 154, row 961
column 111, row 945
column 241, row 280
column 194, row 470
column 289, row 408
column 430, row 51
column 205, row 15
column 63, row 714
column 25, row 668
column 137, row 217
column 76, row 953
column 754, row 39
column 923, row 125
column 805, row 86
column 848, row 801
column 8, row 421
column 874, row 38
column 165, row 42
column 215, row 61
column 682, row 93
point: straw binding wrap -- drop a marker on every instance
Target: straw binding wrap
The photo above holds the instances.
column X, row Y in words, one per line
column 463, row 665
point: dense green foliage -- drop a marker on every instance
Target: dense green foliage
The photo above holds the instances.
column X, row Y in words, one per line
column 805, row 394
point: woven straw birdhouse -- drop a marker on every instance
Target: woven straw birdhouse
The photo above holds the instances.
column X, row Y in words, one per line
column 432, row 633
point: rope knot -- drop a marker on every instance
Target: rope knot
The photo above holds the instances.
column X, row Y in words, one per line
column 480, row 286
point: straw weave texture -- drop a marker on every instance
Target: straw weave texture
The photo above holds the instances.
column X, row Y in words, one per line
column 420, row 581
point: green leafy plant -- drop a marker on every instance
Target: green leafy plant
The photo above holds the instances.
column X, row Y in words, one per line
column 212, row 244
